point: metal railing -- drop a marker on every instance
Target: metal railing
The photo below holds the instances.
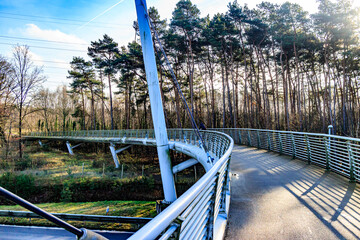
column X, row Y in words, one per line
column 78, row 217
column 335, row 153
column 203, row 209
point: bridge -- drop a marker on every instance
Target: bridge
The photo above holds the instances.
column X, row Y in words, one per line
column 271, row 196
column 283, row 184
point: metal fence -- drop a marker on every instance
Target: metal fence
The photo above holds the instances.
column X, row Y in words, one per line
column 335, row 153
column 201, row 212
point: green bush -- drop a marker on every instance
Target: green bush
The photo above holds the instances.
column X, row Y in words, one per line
column 23, row 163
column 66, row 193
column 80, row 189
column 21, row 184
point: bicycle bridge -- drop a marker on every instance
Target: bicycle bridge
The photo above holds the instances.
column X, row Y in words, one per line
column 291, row 185
column 273, row 198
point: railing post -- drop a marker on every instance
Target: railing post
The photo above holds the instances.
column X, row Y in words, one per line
column 351, row 161
column 293, row 146
column 240, row 137
column 225, row 189
column 249, row 138
column 211, row 221
column 330, row 127
column 308, row 149
column 269, row 142
column 280, row 144
column 327, row 154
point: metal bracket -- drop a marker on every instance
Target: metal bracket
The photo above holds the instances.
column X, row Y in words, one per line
column 70, row 148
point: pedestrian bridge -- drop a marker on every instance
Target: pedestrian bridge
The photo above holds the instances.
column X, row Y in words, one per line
column 292, row 185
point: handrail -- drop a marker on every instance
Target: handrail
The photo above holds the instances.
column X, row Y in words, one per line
column 198, row 212
column 335, row 153
column 167, row 217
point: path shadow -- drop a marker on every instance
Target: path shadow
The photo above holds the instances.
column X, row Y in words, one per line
column 329, row 196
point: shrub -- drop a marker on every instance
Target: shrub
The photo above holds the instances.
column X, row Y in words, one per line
column 23, row 163
column 21, row 184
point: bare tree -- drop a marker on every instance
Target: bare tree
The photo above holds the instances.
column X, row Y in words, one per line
column 27, row 78
column 64, row 105
column 6, row 101
column 44, row 105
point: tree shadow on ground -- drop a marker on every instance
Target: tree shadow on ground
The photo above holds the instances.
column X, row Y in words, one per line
column 329, row 196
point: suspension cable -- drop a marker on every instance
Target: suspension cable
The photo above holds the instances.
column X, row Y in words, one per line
column 170, row 69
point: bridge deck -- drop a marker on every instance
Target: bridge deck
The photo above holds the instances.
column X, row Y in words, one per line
column 276, row 197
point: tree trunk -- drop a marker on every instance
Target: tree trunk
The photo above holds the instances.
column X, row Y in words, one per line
column 111, row 104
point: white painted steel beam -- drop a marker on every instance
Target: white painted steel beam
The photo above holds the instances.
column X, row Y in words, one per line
column 70, row 148
column 123, row 149
column 184, row 165
column 114, row 155
column 157, row 110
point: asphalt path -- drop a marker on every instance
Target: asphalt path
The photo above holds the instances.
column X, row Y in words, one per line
column 276, row 197
column 46, row 233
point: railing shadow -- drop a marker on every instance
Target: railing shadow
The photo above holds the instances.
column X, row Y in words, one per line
column 330, row 197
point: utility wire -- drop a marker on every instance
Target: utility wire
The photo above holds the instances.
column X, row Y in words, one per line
column 55, row 67
column 60, row 49
column 193, row 123
column 50, row 61
column 42, row 40
column 62, row 19
column 62, row 23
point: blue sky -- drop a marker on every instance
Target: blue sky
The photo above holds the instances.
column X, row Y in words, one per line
column 46, row 21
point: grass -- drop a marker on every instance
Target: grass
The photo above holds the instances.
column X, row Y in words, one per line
column 54, row 165
column 116, row 208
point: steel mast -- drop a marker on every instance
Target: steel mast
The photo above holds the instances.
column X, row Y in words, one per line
column 157, row 110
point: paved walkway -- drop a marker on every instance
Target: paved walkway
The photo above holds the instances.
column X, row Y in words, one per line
column 276, row 197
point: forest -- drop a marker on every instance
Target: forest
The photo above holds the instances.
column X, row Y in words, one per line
column 271, row 67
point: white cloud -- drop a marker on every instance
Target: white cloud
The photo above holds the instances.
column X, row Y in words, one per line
column 34, row 31
column 38, row 60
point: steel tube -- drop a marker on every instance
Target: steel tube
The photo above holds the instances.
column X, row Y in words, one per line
column 22, row 202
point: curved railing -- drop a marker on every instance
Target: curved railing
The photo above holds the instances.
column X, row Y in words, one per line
column 335, row 153
column 203, row 209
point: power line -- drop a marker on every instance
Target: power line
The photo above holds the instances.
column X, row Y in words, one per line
column 50, row 61
column 62, row 23
column 62, row 19
column 55, row 67
column 42, row 40
column 61, row 49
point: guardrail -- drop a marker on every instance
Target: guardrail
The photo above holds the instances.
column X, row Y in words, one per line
column 335, row 153
column 78, row 217
column 203, row 209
